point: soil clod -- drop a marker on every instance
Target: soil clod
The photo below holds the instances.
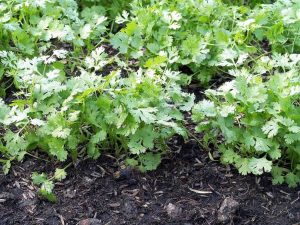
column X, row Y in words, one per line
column 227, row 210
column 173, row 211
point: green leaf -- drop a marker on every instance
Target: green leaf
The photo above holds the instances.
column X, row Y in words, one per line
column 4, row 110
column 229, row 156
column 49, row 196
column 149, row 161
column 120, row 41
column 131, row 28
column 274, row 153
column 277, row 175
column 85, row 31
column 291, row 138
column 38, row 179
column 1, row 73
column 156, row 62
column 98, row 137
column 262, row 145
column 6, row 167
column 143, row 139
column 93, row 151
column 60, row 174
column 47, row 186
column 222, row 36
column 249, row 140
column 132, row 162
column 260, row 165
column 153, row 47
column 292, row 179
column 61, row 132
column 202, row 109
column 145, row 114
column 21, row 155
column 14, row 143
column 243, row 166
column 56, row 148
column 270, row 128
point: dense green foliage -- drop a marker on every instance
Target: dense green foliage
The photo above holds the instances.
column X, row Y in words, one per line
column 259, row 119
column 33, row 27
column 112, row 8
column 66, row 102
column 82, row 77
column 208, row 36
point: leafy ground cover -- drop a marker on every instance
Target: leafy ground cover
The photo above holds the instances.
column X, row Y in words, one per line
column 84, row 78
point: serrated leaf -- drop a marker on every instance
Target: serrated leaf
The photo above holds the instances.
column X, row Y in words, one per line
column 98, row 137
column 61, row 132
column 14, row 143
column 204, row 108
column 243, row 166
column 38, row 179
column 56, row 148
column 294, row 129
column 292, row 179
column 229, row 156
column 47, row 186
column 132, row 162
column 60, row 174
column 85, row 31
column 143, row 139
column 227, row 110
column 145, row 114
column 156, row 62
column 6, row 167
column 291, row 138
column 49, row 196
column 277, row 175
column 149, row 161
column 262, row 145
column 270, row 128
column 21, row 155
column 120, row 41
column 260, row 165
column 274, row 153
column 93, row 151
column 249, row 140
column 4, row 110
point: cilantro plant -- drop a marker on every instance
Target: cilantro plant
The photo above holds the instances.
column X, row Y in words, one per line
column 112, row 8
column 67, row 96
column 207, row 36
column 256, row 117
column 47, row 184
column 31, row 27
column 248, row 2
column 130, row 111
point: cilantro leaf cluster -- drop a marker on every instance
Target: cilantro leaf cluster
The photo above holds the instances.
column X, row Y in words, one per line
column 257, row 118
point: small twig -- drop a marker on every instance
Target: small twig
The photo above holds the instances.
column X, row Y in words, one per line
column 297, row 199
column 36, row 157
column 196, row 139
column 200, row 192
column 214, row 190
column 61, row 219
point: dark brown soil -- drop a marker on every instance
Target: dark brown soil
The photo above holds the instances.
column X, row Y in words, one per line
column 166, row 196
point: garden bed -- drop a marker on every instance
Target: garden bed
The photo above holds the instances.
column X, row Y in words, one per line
column 165, row 196
column 149, row 112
